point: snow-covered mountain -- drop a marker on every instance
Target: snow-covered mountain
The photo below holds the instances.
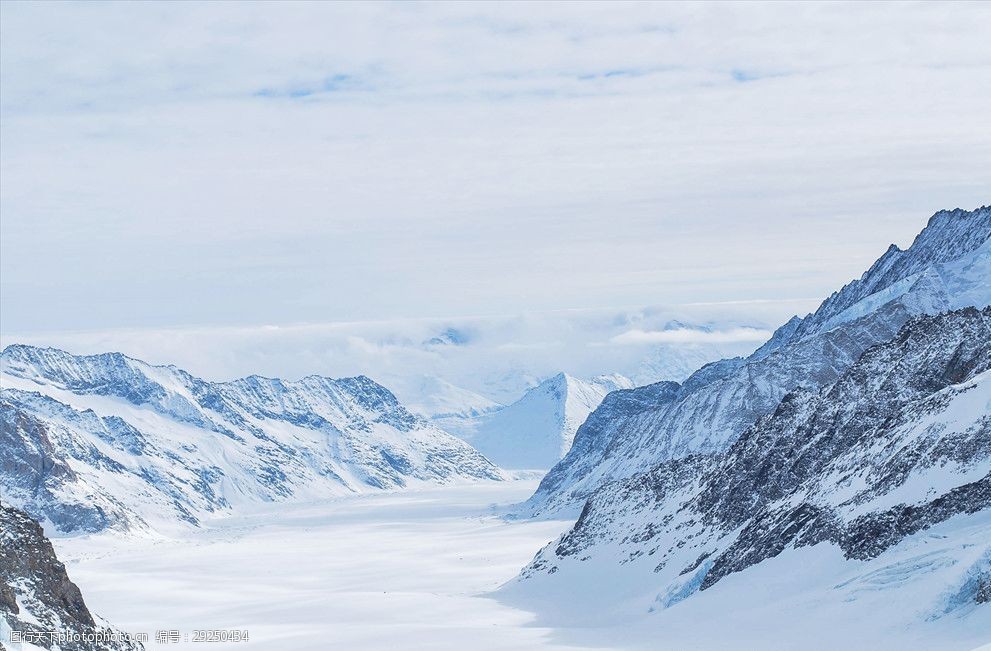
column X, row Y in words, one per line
column 870, row 495
column 100, row 441
column 948, row 266
column 538, row 429
column 37, row 597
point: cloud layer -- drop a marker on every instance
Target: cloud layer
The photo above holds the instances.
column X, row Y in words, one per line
column 498, row 357
column 691, row 336
column 217, row 163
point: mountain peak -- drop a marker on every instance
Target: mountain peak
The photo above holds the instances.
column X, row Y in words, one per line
column 539, row 428
column 946, row 268
column 898, row 445
column 949, row 236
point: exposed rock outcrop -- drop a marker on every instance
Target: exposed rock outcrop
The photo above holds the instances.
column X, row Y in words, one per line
column 37, row 597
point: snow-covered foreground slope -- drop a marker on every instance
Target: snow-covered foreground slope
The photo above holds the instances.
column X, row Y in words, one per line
column 948, row 266
column 869, row 497
column 810, row 598
column 108, row 441
column 538, row 429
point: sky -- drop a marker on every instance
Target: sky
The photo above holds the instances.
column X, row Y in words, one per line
column 169, row 166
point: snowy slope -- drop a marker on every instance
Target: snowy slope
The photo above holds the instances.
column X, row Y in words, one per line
column 882, row 479
column 538, row 429
column 436, row 399
column 948, row 266
column 109, row 441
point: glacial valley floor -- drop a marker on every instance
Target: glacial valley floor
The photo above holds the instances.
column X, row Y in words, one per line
column 397, row 570
column 415, row 570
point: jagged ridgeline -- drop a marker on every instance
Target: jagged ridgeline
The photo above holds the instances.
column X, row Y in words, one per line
column 900, row 443
column 106, row 441
column 37, row 597
column 876, row 453
column 946, row 267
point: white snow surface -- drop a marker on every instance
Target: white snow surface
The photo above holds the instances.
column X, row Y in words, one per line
column 440, row 400
column 538, row 429
column 422, row 570
column 809, row 598
column 399, row 570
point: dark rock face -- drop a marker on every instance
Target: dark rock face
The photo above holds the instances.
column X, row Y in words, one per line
column 27, row 453
column 982, row 594
column 944, row 269
column 31, row 574
column 900, row 442
column 643, row 492
column 871, row 534
column 829, row 434
column 928, row 355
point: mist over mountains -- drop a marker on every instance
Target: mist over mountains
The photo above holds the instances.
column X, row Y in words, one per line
column 497, row 357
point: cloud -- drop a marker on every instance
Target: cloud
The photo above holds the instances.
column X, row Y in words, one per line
column 691, row 336
column 217, row 164
column 496, row 356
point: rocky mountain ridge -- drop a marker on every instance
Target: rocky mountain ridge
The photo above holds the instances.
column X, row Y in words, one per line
column 947, row 267
column 898, row 445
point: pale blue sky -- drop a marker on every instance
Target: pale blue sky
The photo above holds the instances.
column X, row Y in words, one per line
column 245, row 164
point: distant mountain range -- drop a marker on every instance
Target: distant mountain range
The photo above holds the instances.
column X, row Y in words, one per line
column 537, row 430
column 106, row 441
